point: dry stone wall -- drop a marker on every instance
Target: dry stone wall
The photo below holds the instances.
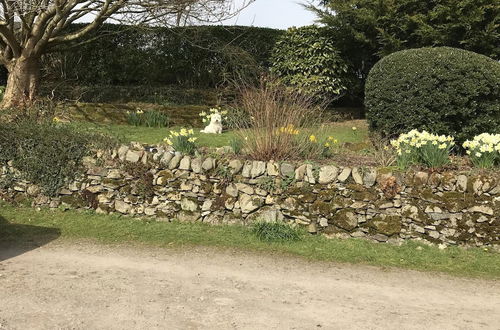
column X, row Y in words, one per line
column 449, row 208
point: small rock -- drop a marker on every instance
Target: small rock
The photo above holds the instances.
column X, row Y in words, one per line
column 185, row 163
column 344, row 175
column 174, row 162
column 189, row 205
column 208, row 164
column 287, row 169
column 122, row 207
column 481, row 209
column 273, row 168
column 235, row 165
column 328, row 174
column 196, row 165
column 258, row 168
column 357, row 176
column 133, row 156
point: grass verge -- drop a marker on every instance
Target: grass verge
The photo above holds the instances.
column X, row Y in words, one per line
column 22, row 224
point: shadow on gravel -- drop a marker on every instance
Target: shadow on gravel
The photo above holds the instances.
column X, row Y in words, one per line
column 17, row 239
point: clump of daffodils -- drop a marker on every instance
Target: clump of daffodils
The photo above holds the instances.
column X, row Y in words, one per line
column 206, row 117
column 484, row 150
column 290, row 129
column 423, row 148
column 182, row 141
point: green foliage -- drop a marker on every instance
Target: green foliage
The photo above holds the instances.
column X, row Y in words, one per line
column 442, row 90
column 236, row 144
column 202, row 56
column 367, row 30
column 276, row 232
column 306, row 59
column 182, row 141
column 267, row 183
column 47, row 154
column 148, row 118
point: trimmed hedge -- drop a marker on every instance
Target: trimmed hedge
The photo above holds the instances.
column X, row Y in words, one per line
column 199, row 56
column 443, row 90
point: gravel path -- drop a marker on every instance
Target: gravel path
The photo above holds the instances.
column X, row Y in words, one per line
column 85, row 286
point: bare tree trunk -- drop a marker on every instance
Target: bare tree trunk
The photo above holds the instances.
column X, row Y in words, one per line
column 22, row 83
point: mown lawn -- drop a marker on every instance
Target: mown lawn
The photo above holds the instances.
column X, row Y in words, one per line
column 24, row 224
column 343, row 132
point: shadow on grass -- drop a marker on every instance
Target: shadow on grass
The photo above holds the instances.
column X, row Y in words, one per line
column 17, row 239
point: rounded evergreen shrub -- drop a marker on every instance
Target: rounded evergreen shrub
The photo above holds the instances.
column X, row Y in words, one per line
column 442, row 90
column 306, row 59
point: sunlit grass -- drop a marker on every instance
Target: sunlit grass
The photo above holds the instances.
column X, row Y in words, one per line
column 24, row 224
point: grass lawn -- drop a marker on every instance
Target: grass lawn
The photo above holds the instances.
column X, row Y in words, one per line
column 341, row 131
column 23, row 224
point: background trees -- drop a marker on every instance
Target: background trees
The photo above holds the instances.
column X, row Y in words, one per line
column 31, row 28
column 367, row 30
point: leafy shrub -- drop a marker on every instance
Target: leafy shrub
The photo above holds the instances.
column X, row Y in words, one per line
column 484, row 150
column 443, row 90
column 48, row 154
column 306, row 58
column 182, row 141
column 236, row 145
column 422, row 148
column 275, row 232
column 148, row 118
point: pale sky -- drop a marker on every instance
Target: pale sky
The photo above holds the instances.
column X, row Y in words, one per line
column 280, row 14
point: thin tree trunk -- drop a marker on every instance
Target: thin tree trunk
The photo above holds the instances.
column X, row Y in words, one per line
column 22, row 83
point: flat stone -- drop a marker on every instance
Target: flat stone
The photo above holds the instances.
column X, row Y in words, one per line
column 235, row 165
column 357, row 176
column 208, row 164
column 462, row 183
column 189, row 205
column 196, row 165
column 328, row 174
column 481, row 209
column 247, row 169
column 244, row 188
column 300, row 172
column 174, row 162
column 344, row 175
column 185, row 163
column 287, row 169
column 122, row 207
column 273, row 168
column 133, row 156
column 232, row 190
column 186, row 216
column 249, row 203
column 370, row 177
column 258, row 169
column 310, row 175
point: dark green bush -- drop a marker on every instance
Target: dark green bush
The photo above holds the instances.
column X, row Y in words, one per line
column 200, row 56
column 47, row 154
column 443, row 90
column 276, row 232
column 306, row 59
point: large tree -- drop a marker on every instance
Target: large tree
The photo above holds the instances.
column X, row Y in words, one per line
column 31, row 28
column 367, row 30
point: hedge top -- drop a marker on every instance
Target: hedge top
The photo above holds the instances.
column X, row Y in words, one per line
column 443, row 90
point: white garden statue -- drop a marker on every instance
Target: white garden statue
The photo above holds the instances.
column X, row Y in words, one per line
column 215, row 126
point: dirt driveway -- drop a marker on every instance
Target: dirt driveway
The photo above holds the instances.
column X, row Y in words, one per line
column 86, row 286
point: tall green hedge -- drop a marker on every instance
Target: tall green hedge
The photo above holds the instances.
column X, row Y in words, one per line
column 201, row 56
column 444, row 90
